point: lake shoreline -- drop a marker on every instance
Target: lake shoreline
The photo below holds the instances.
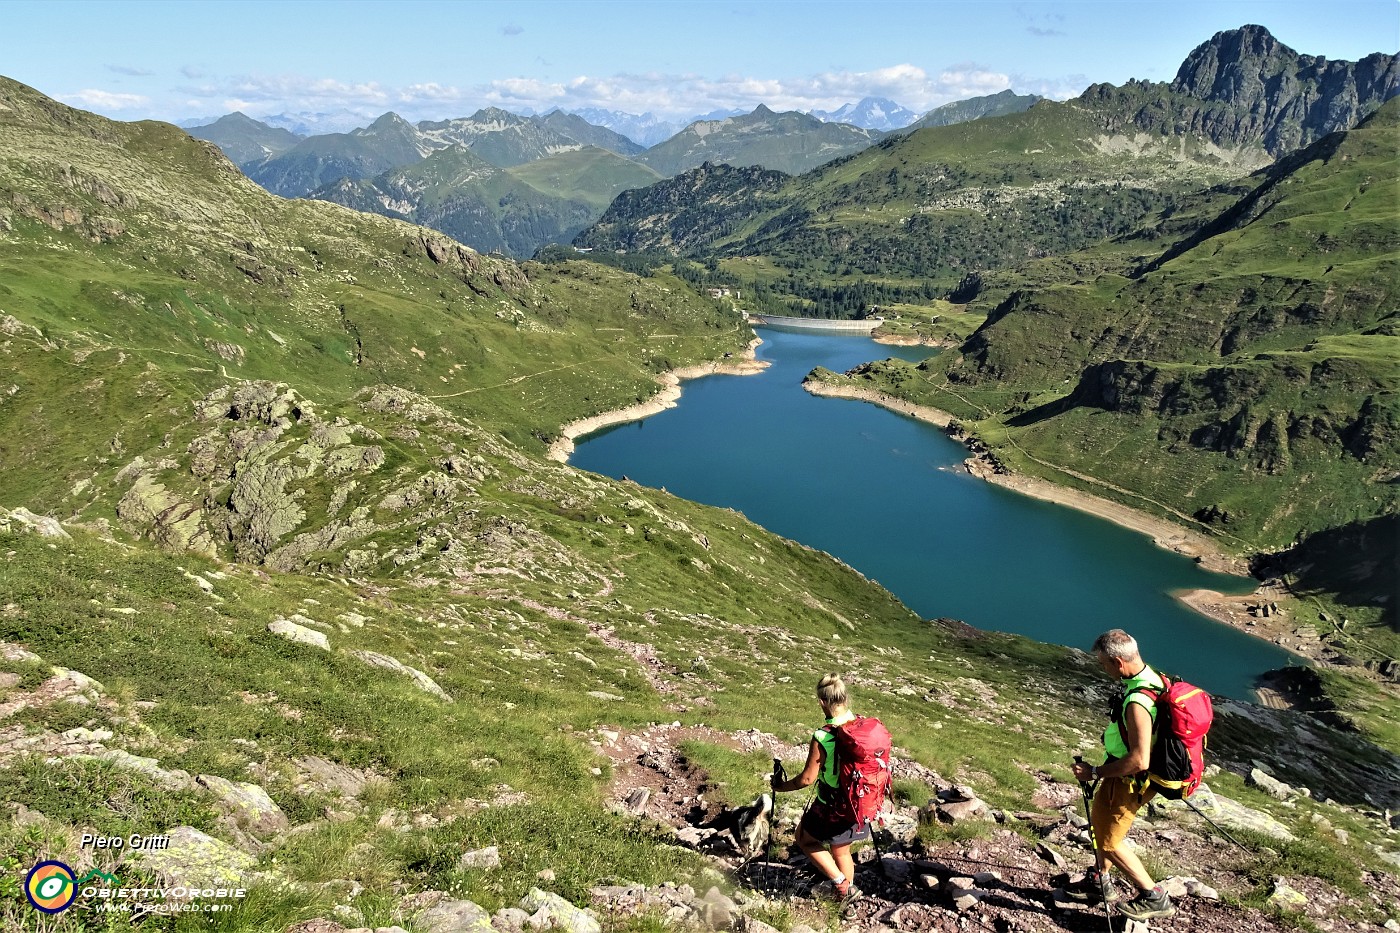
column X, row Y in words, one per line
column 669, row 395
column 1227, row 609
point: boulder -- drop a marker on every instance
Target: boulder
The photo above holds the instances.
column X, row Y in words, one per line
column 961, row 811
column 716, row 911
column 248, row 804
column 170, row 780
column 902, row 827
column 1271, row 785
column 550, row 910
column 1286, row 898
column 1228, row 813
column 26, row 520
column 195, row 860
column 299, row 634
column 421, row 680
column 453, row 916
column 510, row 920
column 489, row 857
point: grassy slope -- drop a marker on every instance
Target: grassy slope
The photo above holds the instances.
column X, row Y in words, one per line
column 1250, row 367
column 592, row 175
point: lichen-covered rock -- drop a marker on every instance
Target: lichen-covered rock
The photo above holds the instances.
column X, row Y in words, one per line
column 248, row 804
column 551, row 910
column 453, row 916
column 194, row 859
column 165, row 517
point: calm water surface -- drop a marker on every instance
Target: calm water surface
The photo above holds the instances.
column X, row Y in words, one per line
column 878, row 490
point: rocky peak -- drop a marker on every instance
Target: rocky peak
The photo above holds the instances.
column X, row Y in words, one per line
column 1234, row 61
column 1260, row 91
column 389, row 123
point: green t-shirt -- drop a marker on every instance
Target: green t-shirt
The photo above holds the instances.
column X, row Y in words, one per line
column 1113, row 741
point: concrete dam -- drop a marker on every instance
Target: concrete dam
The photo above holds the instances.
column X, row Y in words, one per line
column 819, row 325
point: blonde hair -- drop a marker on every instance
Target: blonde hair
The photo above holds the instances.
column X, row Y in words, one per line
column 831, row 690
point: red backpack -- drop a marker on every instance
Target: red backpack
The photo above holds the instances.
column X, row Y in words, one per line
column 862, row 769
column 1184, row 716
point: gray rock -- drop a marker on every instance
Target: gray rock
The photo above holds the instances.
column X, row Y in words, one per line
column 551, row 910
column 170, row 780
column 1204, row 891
column 193, row 859
column 299, row 634
column 317, row 774
column 1286, row 898
column 895, row 868
column 1270, row 785
column 716, row 910
column 453, row 916
column 1228, row 813
column 961, row 811
column 248, row 804
column 420, row 679
column 903, row 827
column 489, row 857
column 41, row 525
column 510, row 920
column 1051, row 856
column 637, row 800
column 754, row 925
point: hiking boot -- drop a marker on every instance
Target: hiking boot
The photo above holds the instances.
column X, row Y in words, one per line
column 1093, row 888
column 1148, row 904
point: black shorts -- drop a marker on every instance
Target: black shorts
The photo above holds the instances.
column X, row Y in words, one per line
column 826, row 827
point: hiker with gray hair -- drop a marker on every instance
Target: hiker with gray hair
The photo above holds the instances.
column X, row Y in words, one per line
column 821, row 826
column 1121, row 784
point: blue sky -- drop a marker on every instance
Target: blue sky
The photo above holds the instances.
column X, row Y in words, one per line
column 425, row 60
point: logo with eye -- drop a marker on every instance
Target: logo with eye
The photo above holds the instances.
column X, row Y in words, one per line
column 50, row 887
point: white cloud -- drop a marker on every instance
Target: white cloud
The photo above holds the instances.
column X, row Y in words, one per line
column 663, row 94
column 130, row 70
column 105, row 101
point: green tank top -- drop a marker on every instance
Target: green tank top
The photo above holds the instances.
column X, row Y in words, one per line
column 1113, row 741
column 828, row 779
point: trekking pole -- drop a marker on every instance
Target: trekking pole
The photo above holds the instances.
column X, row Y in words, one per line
column 1220, row 829
column 779, row 774
column 1088, row 792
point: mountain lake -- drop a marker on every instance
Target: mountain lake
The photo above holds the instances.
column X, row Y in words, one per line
column 886, row 494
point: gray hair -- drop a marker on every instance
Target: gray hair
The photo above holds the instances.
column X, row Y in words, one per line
column 831, row 690
column 1116, row 643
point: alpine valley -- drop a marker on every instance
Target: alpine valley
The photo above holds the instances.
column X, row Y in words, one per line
column 289, row 583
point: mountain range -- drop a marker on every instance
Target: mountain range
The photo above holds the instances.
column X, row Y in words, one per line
column 932, row 205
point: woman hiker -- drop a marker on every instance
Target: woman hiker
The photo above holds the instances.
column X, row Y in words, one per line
column 820, row 828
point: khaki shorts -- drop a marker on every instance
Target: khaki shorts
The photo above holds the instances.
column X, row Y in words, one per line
column 1116, row 805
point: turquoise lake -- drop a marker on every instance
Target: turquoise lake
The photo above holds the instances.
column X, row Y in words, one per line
column 882, row 492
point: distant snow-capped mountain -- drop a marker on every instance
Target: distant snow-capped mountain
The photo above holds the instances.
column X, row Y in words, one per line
column 644, row 130
column 871, row 113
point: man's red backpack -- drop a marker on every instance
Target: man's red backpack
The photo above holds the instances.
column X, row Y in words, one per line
column 863, row 769
column 1184, row 716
